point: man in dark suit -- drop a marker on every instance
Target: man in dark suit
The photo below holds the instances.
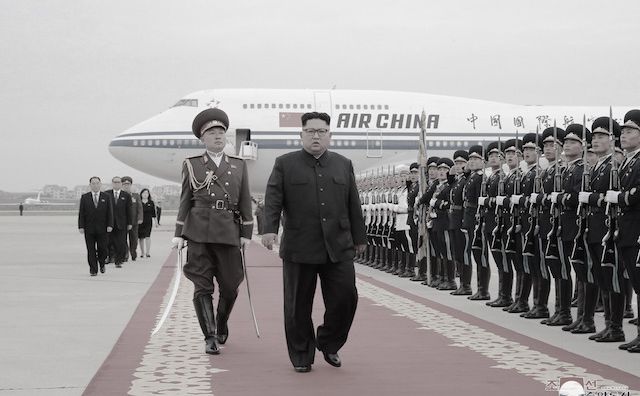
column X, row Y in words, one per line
column 95, row 221
column 323, row 230
column 136, row 215
column 122, row 220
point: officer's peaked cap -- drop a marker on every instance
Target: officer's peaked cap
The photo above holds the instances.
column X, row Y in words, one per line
column 207, row 119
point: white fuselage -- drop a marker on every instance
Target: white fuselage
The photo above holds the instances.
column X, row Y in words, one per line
column 370, row 127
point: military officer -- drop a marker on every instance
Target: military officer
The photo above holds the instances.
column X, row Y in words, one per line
column 457, row 235
column 472, row 223
column 215, row 218
column 430, row 241
column 440, row 214
column 413, row 190
column 628, row 200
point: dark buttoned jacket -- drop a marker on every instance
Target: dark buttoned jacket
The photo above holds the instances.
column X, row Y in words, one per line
column 218, row 211
column 456, row 199
column 543, row 203
column 526, row 188
column 509, row 189
column 490, row 201
column 629, row 202
column 122, row 216
column 412, row 194
column 95, row 220
column 597, row 205
column 470, row 194
column 568, row 200
column 319, row 201
column 441, row 207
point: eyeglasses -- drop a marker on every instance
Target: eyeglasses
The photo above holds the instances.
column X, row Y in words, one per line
column 312, row 132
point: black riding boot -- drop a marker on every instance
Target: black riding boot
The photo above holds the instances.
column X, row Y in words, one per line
column 564, row 310
column 224, row 310
column 588, row 311
column 465, row 281
column 580, row 298
column 204, row 311
column 615, row 333
column 422, row 269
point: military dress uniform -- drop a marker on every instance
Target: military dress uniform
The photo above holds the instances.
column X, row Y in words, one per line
column 457, row 234
column 473, row 224
column 430, row 241
column 214, row 213
column 440, row 214
column 413, row 190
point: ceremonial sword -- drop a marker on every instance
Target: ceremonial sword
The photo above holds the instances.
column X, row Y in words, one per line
column 246, row 276
column 174, row 292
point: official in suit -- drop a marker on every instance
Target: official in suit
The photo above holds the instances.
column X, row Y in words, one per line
column 122, row 220
column 315, row 189
column 95, row 221
column 136, row 215
column 215, row 218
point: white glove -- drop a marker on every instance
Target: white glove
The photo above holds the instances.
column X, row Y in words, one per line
column 612, row 196
column 244, row 241
column 533, row 198
column 481, row 201
column 432, row 202
column 178, row 242
column 500, row 200
column 583, row 197
column 515, row 199
column 553, row 197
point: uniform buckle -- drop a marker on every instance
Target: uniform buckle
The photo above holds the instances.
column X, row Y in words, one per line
column 219, row 204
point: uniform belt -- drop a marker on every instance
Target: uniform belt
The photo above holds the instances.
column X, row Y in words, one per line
column 455, row 207
column 470, row 205
column 219, row 204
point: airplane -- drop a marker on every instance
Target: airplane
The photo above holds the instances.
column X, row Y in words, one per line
column 29, row 201
column 369, row 127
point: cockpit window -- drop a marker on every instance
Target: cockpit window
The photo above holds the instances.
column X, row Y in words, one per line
column 187, row 102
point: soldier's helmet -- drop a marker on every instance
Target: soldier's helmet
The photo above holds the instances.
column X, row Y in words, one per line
column 574, row 132
column 547, row 135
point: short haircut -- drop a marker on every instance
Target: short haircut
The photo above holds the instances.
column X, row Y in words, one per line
column 116, row 177
column 94, row 177
column 315, row 116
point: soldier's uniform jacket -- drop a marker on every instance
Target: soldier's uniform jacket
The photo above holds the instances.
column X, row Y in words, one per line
column 597, row 205
column 456, row 202
column 526, row 188
column 412, row 195
column 509, row 188
column 426, row 197
column 543, row 203
column 208, row 213
column 568, row 200
column 629, row 201
column 490, row 201
column 440, row 210
column 402, row 209
column 470, row 194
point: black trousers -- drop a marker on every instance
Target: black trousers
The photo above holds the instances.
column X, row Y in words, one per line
column 629, row 254
column 118, row 241
column 206, row 261
column 338, row 284
column 97, row 249
column 133, row 241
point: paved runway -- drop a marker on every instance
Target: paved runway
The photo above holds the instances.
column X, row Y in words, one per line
column 70, row 334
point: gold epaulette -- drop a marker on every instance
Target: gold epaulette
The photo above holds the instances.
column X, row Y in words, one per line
column 235, row 156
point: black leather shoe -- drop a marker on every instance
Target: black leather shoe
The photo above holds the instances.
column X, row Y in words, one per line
column 573, row 325
column 462, row 291
column 519, row 308
column 501, row 303
column 223, row 333
column 102, row 269
column 630, row 344
column 561, row 320
column 613, row 335
column 302, row 369
column 333, row 359
column 634, row 349
column 510, row 307
column 418, row 278
column 93, row 273
column 628, row 313
column 634, row 321
column 118, row 265
column 211, row 346
column 599, row 334
column 479, row 297
column 584, row 328
column 552, row 318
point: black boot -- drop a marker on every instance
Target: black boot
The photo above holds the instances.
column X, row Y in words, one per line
column 628, row 310
column 224, row 310
column 500, row 290
column 564, row 315
column 542, row 296
column 631, row 344
column 587, row 325
column 556, row 308
column 522, row 304
column 409, row 265
column 465, row 281
column 515, row 301
column 449, row 276
column 204, row 311
column 580, row 287
column 600, row 303
column 422, row 270
column 484, row 276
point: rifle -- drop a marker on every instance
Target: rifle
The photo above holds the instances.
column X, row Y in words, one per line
column 478, row 240
column 553, row 250
column 529, row 248
column 609, row 253
column 496, row 239
column 510, row 246
column 579, row 253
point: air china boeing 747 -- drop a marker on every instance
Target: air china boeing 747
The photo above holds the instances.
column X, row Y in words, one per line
column 370, row 127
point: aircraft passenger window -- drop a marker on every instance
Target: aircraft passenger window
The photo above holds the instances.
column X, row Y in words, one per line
column 386, row 107
column 149, row 142
column 366, row 107
column 135, row 142
column 164, row 142
column 187, row 102
column 379, row 107
column 251, row 105
column 244, row 106
column 273, row 105
column 288, row 106
column 259, row 105
column 344, row 107
column 295, row 106
column 308, row 106
column 358, row 107
column 157, row 142
column 350, row 107
column 266, row 105
column 280, row 106
column 142, row 142
column 302, row 106
column 337, row 107
column 373, row 107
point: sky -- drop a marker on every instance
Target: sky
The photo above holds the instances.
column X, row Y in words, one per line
column 74, row 74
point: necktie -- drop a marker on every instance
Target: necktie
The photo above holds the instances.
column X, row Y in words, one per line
column 117, row 195
column 95, row 200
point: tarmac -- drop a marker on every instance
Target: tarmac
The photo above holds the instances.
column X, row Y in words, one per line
column 66, row 333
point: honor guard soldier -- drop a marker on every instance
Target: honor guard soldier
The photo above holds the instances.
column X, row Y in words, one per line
column 511, row 242
column 493, row 224
column 552, row 140
column 607, row 279
column 627, row 199
column 412, row 194
column 430, row 241
column 457, row 237
column 215, row 218
column 472, row 223
column 440, row 214
column 533, row 252
column 402, row 236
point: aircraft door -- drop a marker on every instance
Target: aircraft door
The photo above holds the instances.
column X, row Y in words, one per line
column 323, row 102
column 374, row 143
column 242, row 135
